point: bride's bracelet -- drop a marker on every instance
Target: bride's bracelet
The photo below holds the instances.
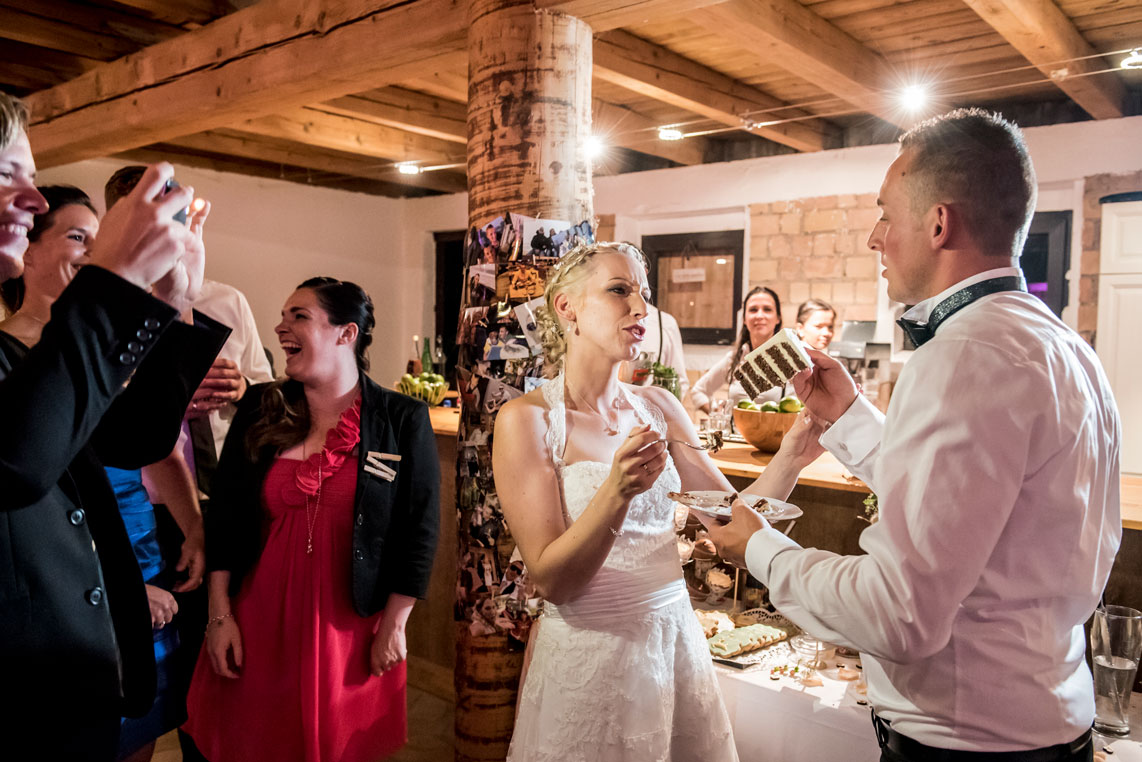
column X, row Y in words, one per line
column 218, row 620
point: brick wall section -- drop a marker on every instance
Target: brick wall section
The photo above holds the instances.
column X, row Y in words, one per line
column 815, row 247
column 1094, row 188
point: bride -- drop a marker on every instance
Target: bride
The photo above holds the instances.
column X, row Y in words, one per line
column 620, row 669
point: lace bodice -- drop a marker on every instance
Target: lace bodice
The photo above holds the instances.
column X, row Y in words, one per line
column 648, row 531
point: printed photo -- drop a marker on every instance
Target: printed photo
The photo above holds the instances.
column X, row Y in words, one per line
column 495, row 393
column 524, row 281
column 526, row 315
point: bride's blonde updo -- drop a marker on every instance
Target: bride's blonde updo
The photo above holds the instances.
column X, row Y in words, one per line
column 567, row 277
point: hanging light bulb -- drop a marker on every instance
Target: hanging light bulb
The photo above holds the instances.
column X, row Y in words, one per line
column 670, row 133
column 1132, row 61
column 593, row 146
column 914, row 97
column 408, row 168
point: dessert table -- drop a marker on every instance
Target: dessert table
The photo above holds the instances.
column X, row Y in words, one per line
column 783, row 721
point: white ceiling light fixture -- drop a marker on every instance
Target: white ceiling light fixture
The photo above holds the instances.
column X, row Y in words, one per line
column 594, row 147
column 670, row 133
column 914, row 97
column 408, row 168
column 1132, row 61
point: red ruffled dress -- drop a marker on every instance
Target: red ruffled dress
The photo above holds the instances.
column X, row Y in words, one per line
column 305, row 691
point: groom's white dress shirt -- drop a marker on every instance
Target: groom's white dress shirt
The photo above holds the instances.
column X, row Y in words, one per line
column 997, row 471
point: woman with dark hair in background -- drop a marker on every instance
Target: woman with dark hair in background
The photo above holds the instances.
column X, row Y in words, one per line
column 761, row 319
column 816, row 323
column 319, row 540
column 58, row 241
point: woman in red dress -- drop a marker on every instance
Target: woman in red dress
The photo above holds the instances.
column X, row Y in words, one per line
column 319, row 541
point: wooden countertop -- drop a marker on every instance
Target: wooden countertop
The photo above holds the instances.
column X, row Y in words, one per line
column 732, row 460
column 742, row 460
column 1132, row 502
column 826, row 471
column 445, row 420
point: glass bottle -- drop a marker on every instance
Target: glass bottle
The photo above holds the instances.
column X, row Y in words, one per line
column 426, row 357
column 414, row 364
column 438, row 359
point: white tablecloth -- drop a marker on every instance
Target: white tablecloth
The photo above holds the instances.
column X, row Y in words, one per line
column 782, row 721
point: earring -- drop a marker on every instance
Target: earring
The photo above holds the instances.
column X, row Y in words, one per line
column 575, row 326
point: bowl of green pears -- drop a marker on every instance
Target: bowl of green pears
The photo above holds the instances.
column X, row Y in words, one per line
column 430, row 387
column 765, row 425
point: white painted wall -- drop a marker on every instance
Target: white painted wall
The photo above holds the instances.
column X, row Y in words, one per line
column 265, row 236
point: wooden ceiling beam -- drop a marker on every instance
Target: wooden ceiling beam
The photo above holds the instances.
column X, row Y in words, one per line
column 180, row 155
column 58, row 35
column 182, row 11
column 136, row 31
column 242, row 66
column 604, row 15
column 52, row 64
column 333, row 131
column 308, row 156
column 624, row 59
column 787, row 34
column 407, row 110
column 446, row 120
column 1047, row 38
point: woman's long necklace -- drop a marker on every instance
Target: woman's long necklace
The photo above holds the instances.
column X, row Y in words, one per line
column 310, row 523
column 610, row 428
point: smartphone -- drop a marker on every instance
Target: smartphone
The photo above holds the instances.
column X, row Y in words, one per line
column 169, row 186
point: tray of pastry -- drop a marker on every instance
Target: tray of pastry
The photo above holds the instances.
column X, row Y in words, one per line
column 747, row 638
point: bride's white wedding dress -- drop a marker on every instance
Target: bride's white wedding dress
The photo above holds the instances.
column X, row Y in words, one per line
column 621, row 673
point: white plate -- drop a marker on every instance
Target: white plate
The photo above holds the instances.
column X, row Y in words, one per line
column 716, row 504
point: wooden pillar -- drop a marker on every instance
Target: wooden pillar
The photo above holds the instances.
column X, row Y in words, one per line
column 529, row 112
column 529, row 117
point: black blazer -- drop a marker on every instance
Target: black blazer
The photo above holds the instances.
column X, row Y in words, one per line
column 75, row 626
column 395, row 523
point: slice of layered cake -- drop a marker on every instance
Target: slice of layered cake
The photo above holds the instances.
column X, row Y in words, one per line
column 772, row 364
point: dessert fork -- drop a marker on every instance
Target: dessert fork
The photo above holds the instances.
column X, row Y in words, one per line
column 712, row 444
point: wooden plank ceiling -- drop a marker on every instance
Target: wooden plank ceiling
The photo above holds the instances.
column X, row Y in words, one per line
column 339, row 92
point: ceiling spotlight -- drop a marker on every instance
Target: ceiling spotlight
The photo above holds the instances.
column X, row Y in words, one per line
column 670, row 133
column 593, row 147
column 914, row 97
column 408, row 168
column 1132, row 61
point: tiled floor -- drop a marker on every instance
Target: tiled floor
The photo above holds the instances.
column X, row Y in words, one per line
column 430, row 723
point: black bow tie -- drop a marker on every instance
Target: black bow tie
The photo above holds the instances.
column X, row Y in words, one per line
column 919, row 333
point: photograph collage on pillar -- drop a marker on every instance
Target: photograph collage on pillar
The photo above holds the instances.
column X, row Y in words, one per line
column 508, row 261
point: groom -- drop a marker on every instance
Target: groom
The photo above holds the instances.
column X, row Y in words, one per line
column 997, row 471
